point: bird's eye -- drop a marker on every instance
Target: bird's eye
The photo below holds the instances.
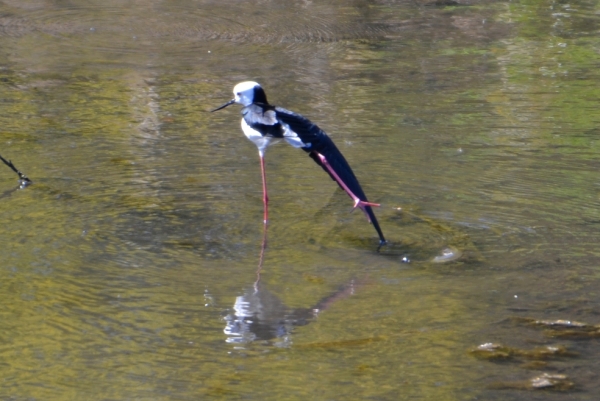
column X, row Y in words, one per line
column 239, row 94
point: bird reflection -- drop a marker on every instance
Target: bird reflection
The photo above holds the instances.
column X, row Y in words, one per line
column 259, row 315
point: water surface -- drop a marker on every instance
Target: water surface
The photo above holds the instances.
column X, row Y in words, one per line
column 129, row 266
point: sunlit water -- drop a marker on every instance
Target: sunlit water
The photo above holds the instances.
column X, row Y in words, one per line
column 130, row 265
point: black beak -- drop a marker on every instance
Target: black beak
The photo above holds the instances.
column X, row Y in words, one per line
column 232, row 101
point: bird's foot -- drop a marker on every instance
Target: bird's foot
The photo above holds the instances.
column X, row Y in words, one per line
column 362, row 204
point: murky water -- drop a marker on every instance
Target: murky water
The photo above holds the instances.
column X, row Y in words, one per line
column 129, row 266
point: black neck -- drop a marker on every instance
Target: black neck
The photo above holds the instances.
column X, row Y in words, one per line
column 259, row 95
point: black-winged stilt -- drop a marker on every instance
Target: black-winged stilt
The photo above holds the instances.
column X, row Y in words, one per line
column 265, row 124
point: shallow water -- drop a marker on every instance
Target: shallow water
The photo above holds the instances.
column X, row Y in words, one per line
column 130, row 264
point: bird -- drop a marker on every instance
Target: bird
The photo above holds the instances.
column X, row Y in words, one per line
column 265, row 124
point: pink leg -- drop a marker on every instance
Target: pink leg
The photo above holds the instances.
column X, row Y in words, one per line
column 264, row 181
column 357, row 202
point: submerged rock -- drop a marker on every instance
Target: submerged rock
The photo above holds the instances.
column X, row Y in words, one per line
column 545, row 381
column 448, row 254
column 493, row 351
column 564, row 328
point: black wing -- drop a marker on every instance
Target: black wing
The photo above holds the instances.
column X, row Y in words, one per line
column 318, row 142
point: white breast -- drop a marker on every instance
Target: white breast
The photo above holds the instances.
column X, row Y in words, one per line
column 261, row 142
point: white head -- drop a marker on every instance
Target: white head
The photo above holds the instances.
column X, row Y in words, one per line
column 246, row 93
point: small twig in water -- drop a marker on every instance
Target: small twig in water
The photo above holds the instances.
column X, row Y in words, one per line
column 23, row 179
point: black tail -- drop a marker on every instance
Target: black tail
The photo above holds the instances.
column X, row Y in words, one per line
column 338, row 163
